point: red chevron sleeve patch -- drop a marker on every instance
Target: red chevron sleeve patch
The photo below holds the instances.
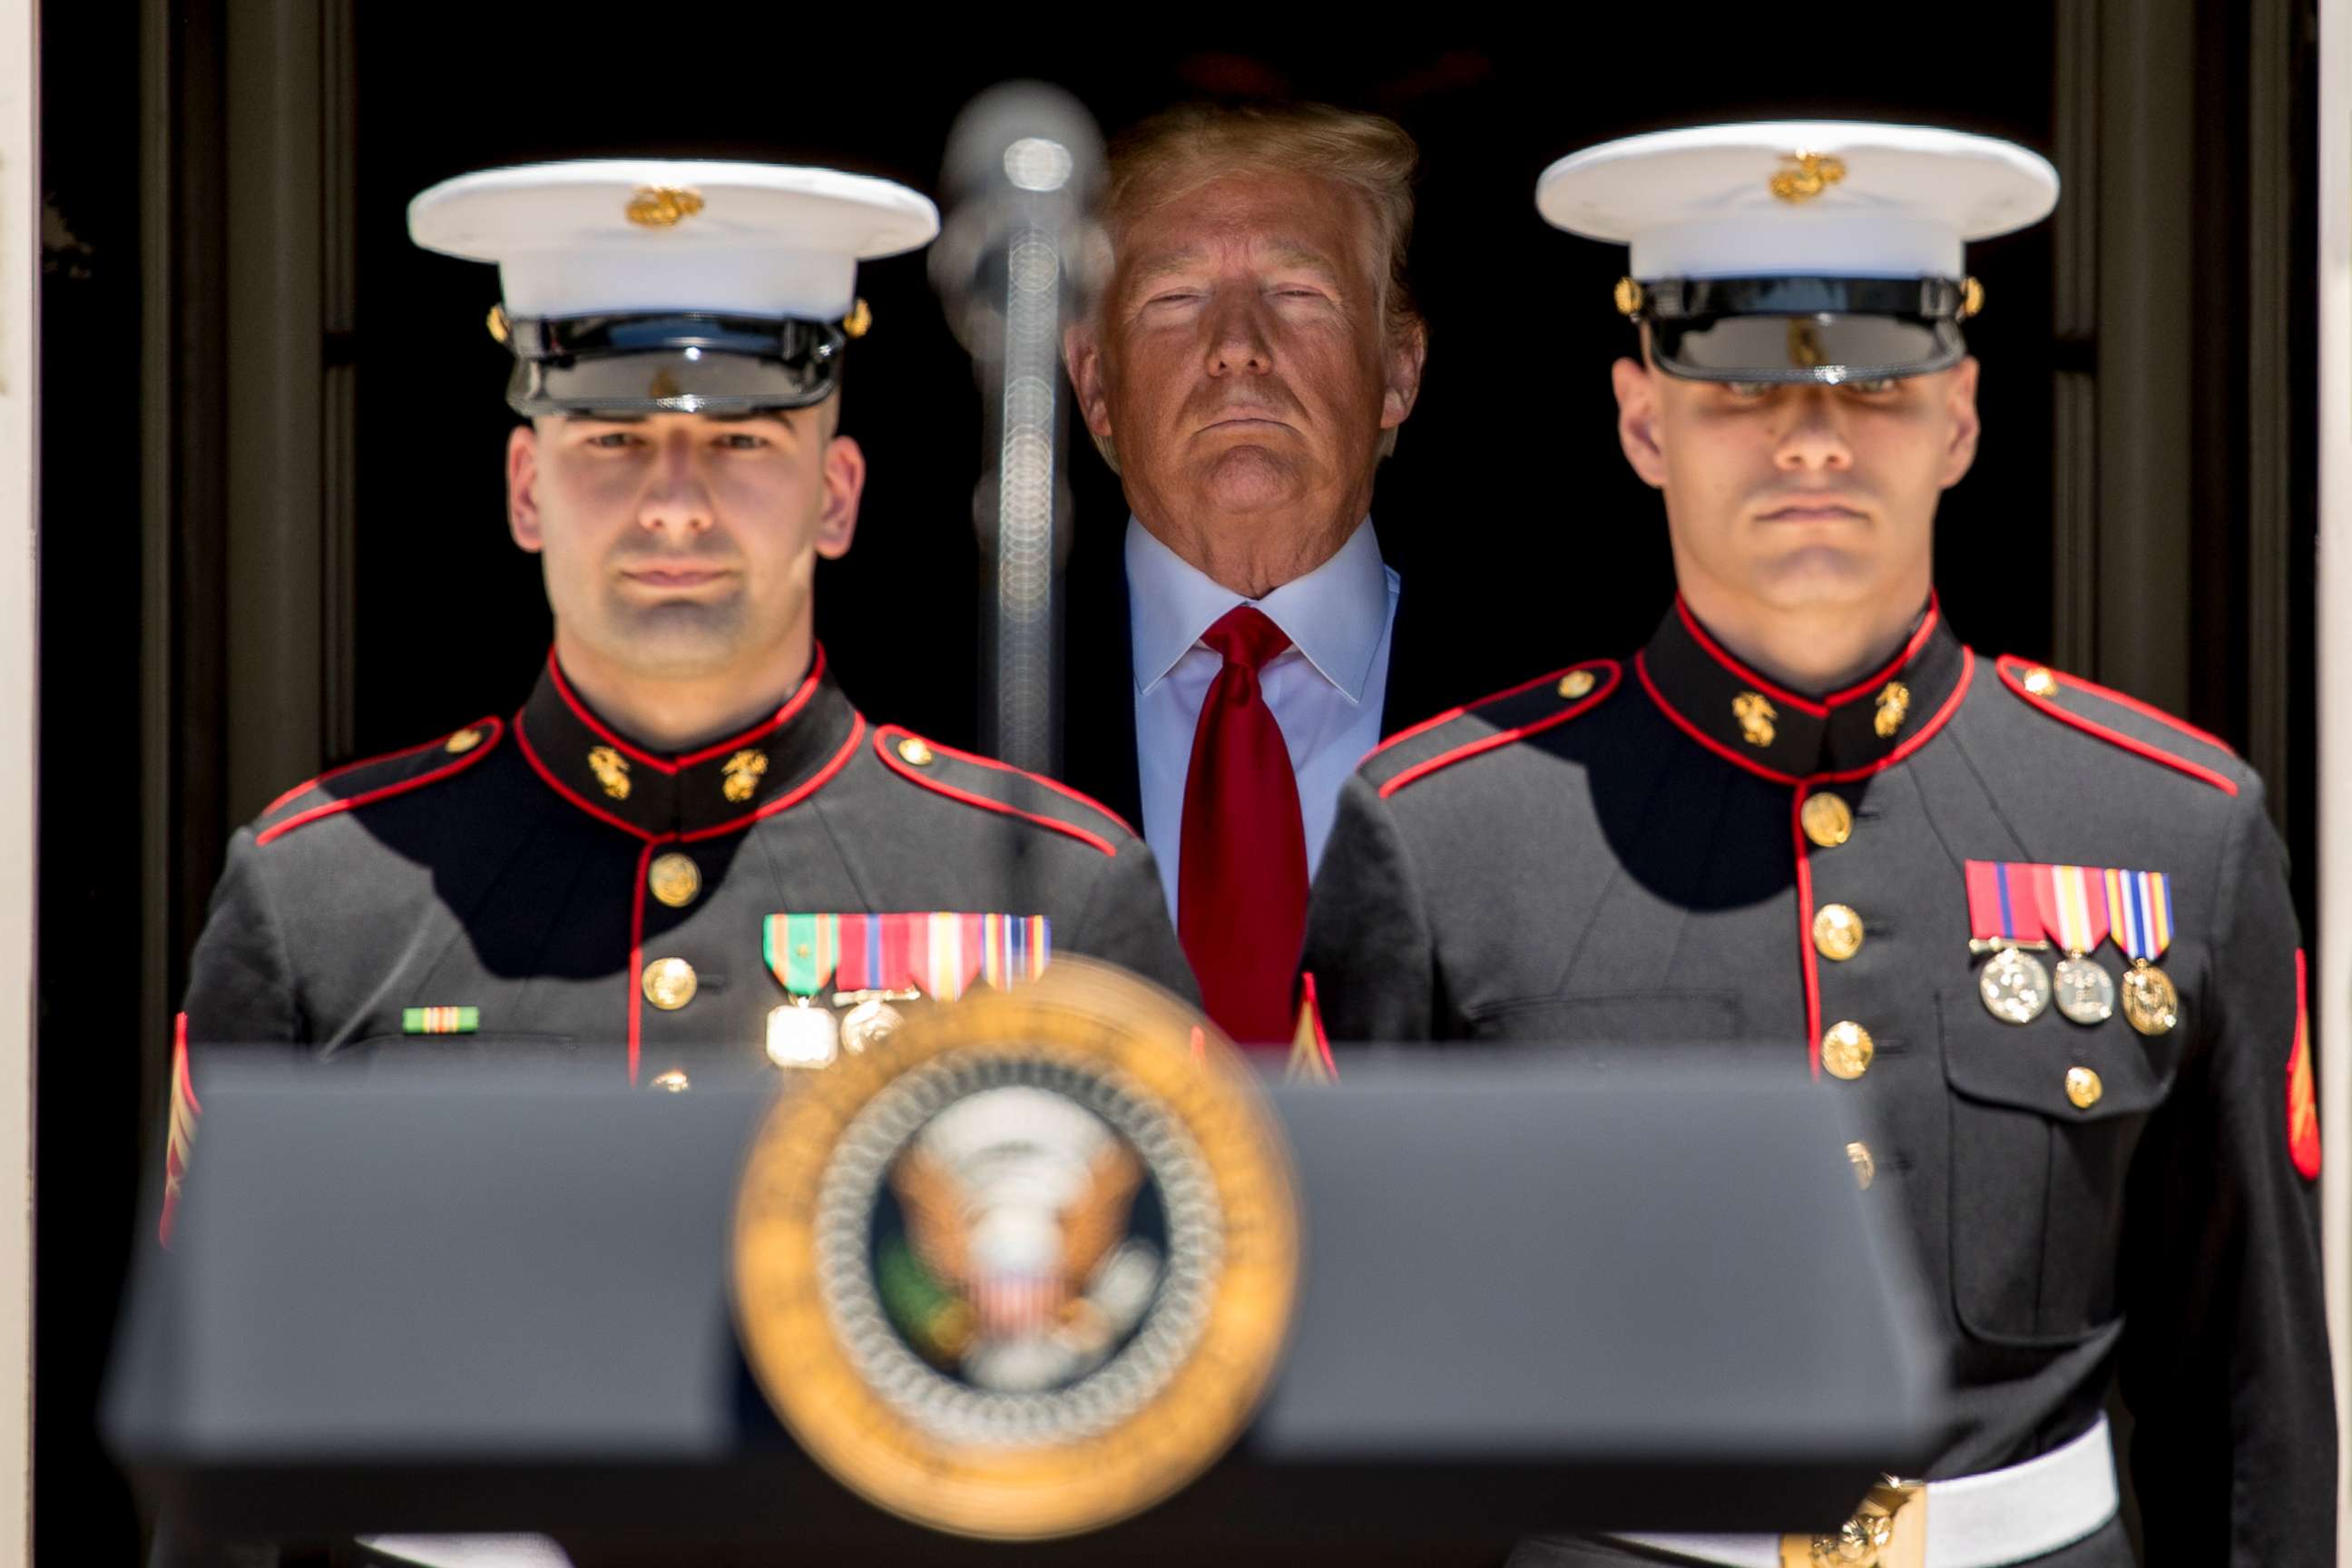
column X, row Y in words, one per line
column 2302, row 1099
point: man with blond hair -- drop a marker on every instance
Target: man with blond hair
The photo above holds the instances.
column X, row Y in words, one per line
column 1244, row 372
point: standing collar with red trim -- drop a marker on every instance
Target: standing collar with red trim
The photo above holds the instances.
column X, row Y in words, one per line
column 1747, row 719
column 710, row 789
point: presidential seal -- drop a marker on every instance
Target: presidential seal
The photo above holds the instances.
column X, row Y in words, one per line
column 1024, row 1265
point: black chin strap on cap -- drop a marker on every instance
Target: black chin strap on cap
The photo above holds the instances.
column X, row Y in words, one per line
column 673, row 363
column 1785, row 329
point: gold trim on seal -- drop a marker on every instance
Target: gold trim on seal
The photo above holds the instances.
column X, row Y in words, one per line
column 1080, row 1017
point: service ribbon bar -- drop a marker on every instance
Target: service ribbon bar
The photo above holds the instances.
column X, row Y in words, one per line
column 2073, row 901
column 2001, row 903
column 2141, row 902
column 939, row 952
column 802, row 951
column 440, row 1020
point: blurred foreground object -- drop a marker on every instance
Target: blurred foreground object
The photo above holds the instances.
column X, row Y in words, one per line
column 1018, row 1270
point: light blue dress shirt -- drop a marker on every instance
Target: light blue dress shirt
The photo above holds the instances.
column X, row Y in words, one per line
column 1326, row 689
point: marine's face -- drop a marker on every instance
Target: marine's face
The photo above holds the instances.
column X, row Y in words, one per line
column 683, row 547
column 1241, row 362
column 1801, row 497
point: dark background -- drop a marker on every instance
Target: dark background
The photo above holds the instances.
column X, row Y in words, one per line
column 1508, row 510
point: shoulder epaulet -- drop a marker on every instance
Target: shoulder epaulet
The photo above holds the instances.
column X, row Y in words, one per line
column 1513, row 714
column 2122, row 720
column 373, row 779
column 991, row 786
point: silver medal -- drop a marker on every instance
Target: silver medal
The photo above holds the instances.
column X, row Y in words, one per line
column 2015, row 987
column 2082, row 991
column 801, row 1035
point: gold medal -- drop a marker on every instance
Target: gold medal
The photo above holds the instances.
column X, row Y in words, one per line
column 2015, row 987
column 803, row 1035
column 2151, row 1005
column 2082, row 991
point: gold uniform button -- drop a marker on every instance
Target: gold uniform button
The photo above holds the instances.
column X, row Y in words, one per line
column 1827, row 819
column 1577, row 683
column 674, row 880
column 2084, row 1087
column 2041, row 682
column 1837, row 933
column 1846, row 1050
column 670, row 983
column 464, row 741
column 1865, row 1163
column 671, row 1082
column 915, row 751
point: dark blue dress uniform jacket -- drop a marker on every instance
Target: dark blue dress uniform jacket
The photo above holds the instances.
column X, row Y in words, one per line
column 1611, row 856
column 510, row 869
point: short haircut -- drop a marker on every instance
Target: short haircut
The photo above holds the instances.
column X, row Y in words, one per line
column 1179, row 150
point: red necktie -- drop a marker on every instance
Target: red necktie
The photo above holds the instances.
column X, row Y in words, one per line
column 1241, row 882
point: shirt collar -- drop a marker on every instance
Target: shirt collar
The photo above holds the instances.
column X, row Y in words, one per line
column 1745, row 719
column 1334, row 616
column 714, row 789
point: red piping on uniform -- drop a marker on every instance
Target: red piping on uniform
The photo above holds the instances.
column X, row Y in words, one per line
column 792, row 797
column 637, row 953
column 1054, row 785
column 367, row 797
column 1818, row 707
column 2125, row 699
column 1504, row 737
column 580, row 710
column 530, row 755
column 2010, row 678
column 1641, row 668
column 1451, row 714
column 306, row 787
column 1804, row 931
column 1920, row 737
column 890, row 760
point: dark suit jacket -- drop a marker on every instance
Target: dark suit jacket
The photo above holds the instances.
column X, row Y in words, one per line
column 1098, row 673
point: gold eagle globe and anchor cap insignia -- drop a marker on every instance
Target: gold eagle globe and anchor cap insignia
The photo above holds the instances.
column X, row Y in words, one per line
column 1024, row 1266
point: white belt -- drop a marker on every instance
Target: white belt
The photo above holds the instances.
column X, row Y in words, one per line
column 1987, row 1521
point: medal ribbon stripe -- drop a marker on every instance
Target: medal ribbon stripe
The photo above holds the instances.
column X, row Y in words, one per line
column 2141, row 902
column 2073, row 905
column 2001, row 895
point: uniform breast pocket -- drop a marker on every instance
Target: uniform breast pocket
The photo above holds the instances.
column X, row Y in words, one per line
column 1631, row 1019
column 2044, row 1118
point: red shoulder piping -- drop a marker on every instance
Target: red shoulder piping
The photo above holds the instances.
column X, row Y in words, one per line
column 307, row 786
column 496, row 728
column 2009, row 665
column 1612, row 672
column 890, row 758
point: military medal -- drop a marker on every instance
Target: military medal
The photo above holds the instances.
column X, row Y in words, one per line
column 2073, row 905
column 2141, row 905
column 2002, row 918
column 802, row 952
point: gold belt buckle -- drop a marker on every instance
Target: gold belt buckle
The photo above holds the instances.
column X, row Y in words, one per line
column 1889, row 1531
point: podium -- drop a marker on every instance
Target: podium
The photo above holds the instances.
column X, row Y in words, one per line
column 1533, row 1299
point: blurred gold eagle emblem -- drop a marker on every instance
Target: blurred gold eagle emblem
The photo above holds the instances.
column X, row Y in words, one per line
column 1755, row 715
column 1023, row 1268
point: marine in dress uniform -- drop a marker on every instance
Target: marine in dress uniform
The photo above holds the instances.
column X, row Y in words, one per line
column 2038, row 933
column 546, row 883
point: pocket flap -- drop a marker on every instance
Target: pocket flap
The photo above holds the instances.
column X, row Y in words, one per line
column 2028, row 1066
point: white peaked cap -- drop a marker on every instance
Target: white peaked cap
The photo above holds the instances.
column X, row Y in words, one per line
column 721, row 238
column 1741, row 200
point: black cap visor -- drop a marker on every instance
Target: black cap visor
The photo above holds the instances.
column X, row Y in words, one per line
column 1821, row 330
column 636, row 365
